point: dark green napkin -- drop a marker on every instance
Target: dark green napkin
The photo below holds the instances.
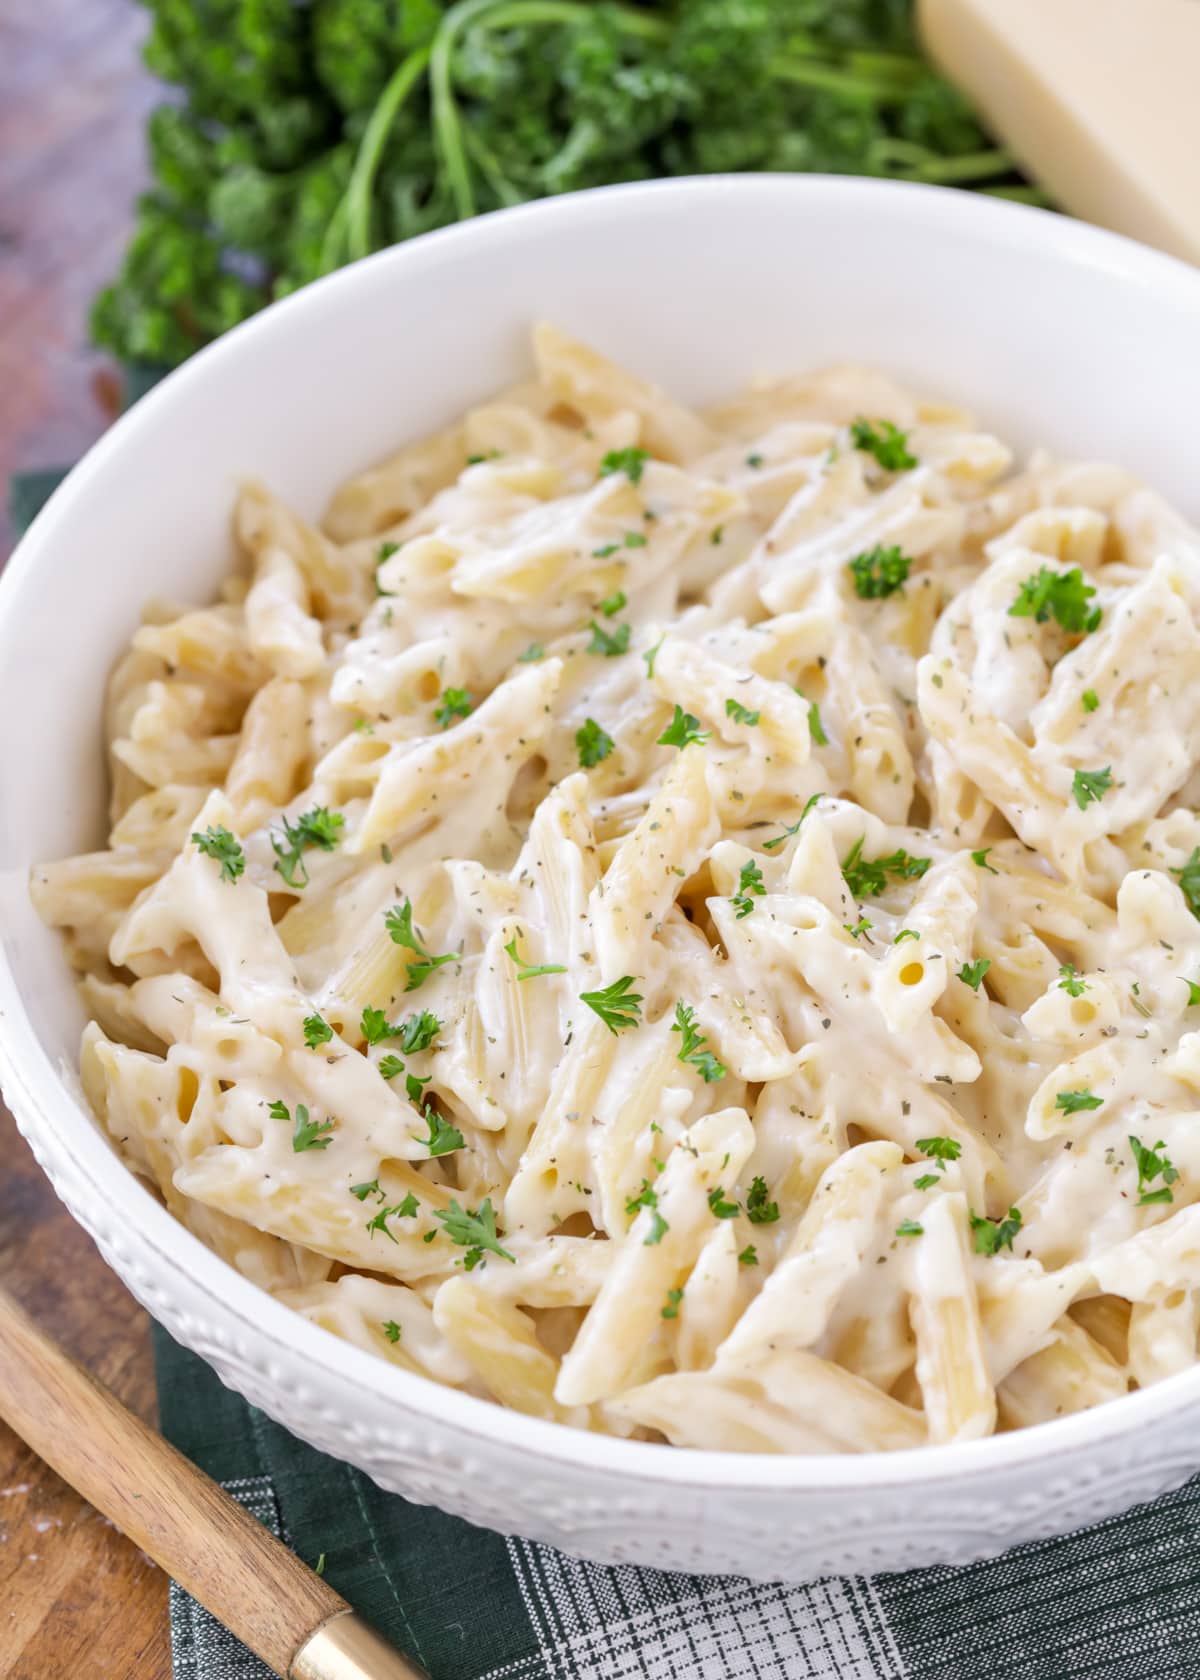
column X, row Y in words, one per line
column 1119, row 1601
column 29, row 492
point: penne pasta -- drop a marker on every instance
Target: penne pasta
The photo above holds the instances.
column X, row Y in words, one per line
column 680, row 924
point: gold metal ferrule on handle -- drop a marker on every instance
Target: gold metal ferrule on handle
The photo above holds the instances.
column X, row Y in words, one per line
column 347, row 1648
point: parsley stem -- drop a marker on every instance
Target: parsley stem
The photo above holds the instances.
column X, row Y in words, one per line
column 447, row 123
column 905, row 68
column 354, row 213
column 631, row 19
column 921, row 163
column 862, row 82
column 489, row 167
column 1021, row 195
column 976, row 166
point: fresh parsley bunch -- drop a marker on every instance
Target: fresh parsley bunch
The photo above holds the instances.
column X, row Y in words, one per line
column 310, row 132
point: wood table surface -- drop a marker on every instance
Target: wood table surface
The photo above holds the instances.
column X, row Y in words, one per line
column 76, row 1598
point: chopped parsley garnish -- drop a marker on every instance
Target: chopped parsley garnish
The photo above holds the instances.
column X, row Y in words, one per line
column 794, row 828
column 375, row 1026
column 760, row 1211
column 220, row 845
column 740, row 714
column 611, row 646
column 1189, row 881
column 476, row 1232
column 647, row 1197
column 674, row 1297
column 392, row 1330
column 443, row 1138
column 885, row 441
column 1152, row 1164
column 612, row 604
column 378, row 1222
column 1193, row 991
column 972, row 973
column 310, row 1134
column 857, row 929
column 531, row 971
column 748, row 1256
column 1063, row 596
column 455, row 702
column 867, row 878
column 1070, row 982
column 1077, row 1102
column 905, row 933
column 815, row 727
column 691, row 1049
column 407, row 1209
column 594, row 744
column 750, row 887
column 616, row 1005
column 940, row 1149
column 319, row 827
column 910, row 1228
column 992, row 1235
column 658, row 1230
column 532, row 654
column 980, row 860
column 631, row 462
column 717, row 536
column 1090, row 786
column 419, row 1032
column 382, row 553
column 879, row 572
column 651, row 654
column 1090, row 699
column 316, row 1031
column 307, row 1134
column 682, row 730
column 399, row 924
column 926, row 1181
column 720, row 1206
column 755, row 460
column 415, row 1034
column 362, row 1191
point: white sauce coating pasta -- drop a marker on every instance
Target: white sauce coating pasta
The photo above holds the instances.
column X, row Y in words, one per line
column 627, row 920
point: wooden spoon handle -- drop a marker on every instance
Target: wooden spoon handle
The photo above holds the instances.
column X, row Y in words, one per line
column 205, row 1540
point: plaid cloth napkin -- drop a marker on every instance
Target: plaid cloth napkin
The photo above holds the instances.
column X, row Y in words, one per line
column 1120, row 1600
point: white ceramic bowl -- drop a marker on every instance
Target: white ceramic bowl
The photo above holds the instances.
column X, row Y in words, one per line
column 1055, row 333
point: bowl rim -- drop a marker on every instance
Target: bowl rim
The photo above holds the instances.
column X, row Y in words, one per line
column 43, row 1097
